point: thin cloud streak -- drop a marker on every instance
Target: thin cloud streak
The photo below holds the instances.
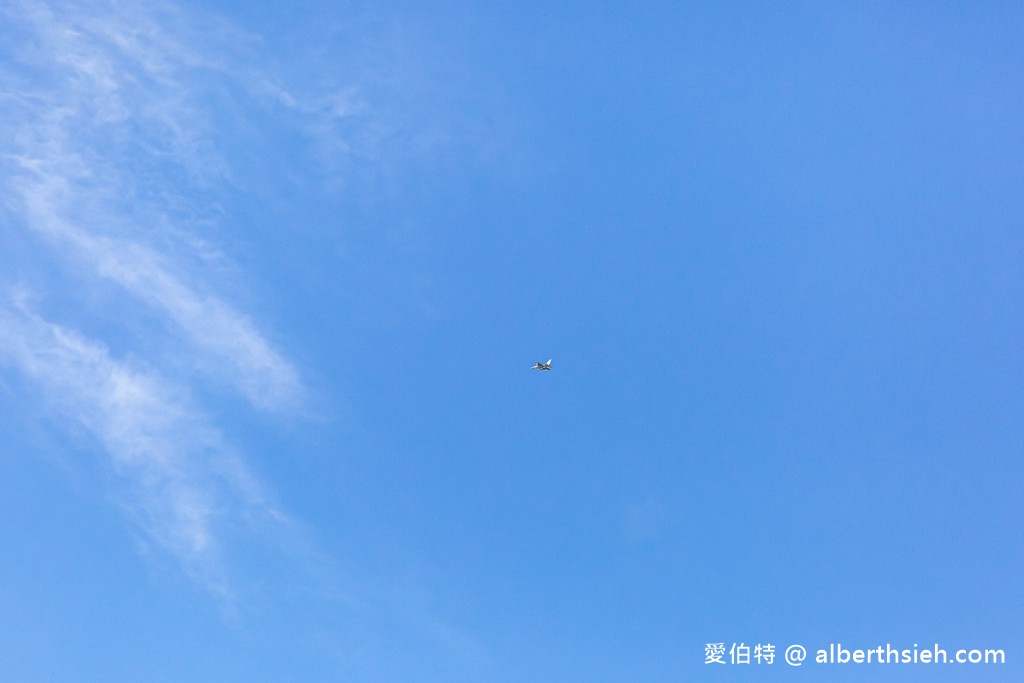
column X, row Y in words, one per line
column 68, row 163
column 116, row 122
column 214, row 327
column 181, row 481
column 104, row 147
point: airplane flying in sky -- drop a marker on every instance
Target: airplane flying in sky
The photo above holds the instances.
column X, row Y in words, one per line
column 542, row 366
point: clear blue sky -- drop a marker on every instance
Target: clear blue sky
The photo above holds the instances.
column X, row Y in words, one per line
column 272, row 278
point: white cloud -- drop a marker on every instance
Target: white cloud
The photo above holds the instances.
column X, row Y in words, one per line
column 181, row 482
column 124, row 134
column 121, row 127
column 216, row 329
column 104, row 148
column 87, row 147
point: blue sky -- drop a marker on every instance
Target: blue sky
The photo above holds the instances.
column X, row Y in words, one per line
column 272, row 279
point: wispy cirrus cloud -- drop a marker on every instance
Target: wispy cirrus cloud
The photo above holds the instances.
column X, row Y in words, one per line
column 127, row 135
column 223, row 337
column 181, row 482
column 106, row 147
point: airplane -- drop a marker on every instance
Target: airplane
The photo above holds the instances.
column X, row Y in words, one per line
column 542, row 366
